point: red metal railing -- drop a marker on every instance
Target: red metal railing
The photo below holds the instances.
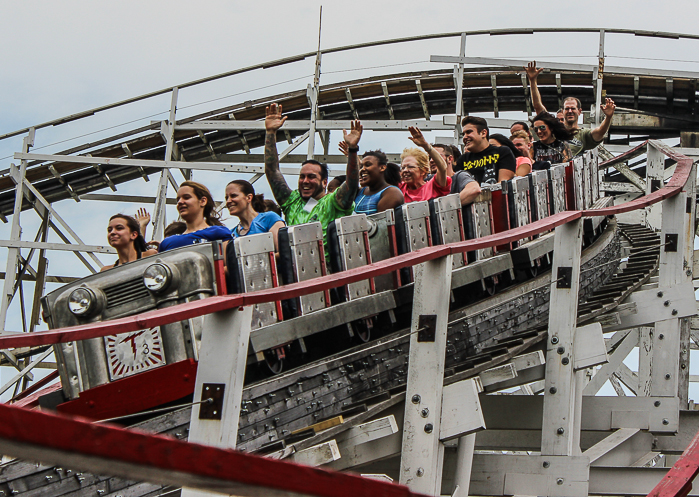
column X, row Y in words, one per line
column 128, row 453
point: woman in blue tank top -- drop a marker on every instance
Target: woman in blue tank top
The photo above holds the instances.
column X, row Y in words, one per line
column 376, row 194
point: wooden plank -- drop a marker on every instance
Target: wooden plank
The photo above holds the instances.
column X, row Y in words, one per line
column 590, row 349
column 497, row 375
column 370, row 431
column 461, row 411
column 609, row 443
column 318, row 455
column 323, row 425
column 619, row 354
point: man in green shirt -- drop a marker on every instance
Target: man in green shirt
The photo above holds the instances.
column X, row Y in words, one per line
column 585, row 138
column 310, row 202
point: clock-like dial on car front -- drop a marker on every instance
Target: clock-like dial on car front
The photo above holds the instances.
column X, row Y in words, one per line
column 131, row 353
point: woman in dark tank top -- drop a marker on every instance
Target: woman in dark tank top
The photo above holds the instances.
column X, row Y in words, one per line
column 124, row 234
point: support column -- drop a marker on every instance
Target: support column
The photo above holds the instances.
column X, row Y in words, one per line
column 599, row 78
column 459, row 83
column 675, row 268
column 15, row 235
column 220, row 374
column 655, row 173
column 168, row 130
column 464, row 463
column 422, row 452
column 312, row 94
column 561, row 402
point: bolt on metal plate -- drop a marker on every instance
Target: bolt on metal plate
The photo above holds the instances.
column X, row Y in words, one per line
column 211, row 410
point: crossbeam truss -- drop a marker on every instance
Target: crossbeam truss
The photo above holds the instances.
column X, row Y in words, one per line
column 560, row 469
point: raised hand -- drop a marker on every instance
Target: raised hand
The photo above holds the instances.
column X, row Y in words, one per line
column 532, row 71
column 608, row 107
column 344, row 148
column 352, row 138
column 143, row 218
column 273, row 117
column 417, row 138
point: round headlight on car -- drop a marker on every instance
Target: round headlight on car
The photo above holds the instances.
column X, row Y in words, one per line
column 81, row 301
column 157, row 277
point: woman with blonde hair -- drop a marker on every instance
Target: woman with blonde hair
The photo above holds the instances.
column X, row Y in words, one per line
column 415, row 166
column 197, row 209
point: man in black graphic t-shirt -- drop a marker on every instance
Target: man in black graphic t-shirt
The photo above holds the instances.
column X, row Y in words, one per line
column 485, row 162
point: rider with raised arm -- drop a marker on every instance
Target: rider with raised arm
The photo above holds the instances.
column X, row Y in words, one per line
column 584, row 138
column 310, row 202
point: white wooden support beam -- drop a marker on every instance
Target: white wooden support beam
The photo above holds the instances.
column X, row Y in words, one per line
column 425, row 110
column 559, row 90
column 553, row 476
column 462, row 417
column 527, row 101
column 590, row 349
column 609, row 443
column 65, row 184
column 350, row 101
column 168, row 129
column 494, row 85
column 634, row 178
column 461, row 411
column 369, row 431
column 657, row 304
column 616, row 358
column 312, row 95
column 562, row 401
column 496, row 375
column 318, row 455
column 421, row 451
column 13, row 254
column 636, row 87
column 222, row 358
column 599, row 78
column 627, row 377
column 40, row 204
column 243, row 140
column 129, row 154
column 655, row 174
column 384, row 87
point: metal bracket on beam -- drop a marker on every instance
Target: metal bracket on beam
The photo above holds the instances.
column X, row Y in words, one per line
column 671, row 242
column 427, row 326
column 212, row 400
column 348, row 94
column 384, row 87
column 425, row 111
column 564, row 277
column 494, row 84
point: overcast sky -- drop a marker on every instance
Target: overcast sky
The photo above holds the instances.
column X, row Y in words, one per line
column 63, row 57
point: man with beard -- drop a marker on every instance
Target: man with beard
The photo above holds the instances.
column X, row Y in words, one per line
column 310, row 202
column 584, row 138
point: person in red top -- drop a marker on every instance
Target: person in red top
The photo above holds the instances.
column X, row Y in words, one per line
column 415, row 167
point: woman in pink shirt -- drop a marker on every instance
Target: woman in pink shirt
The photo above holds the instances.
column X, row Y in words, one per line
column 415, row 167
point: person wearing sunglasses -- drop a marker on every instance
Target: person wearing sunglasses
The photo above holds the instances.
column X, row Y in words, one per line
column 552, row 146
column 583, row 138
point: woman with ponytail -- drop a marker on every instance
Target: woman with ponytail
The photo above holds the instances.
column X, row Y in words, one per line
column 249, row 208
column 196, row 207
column 124, row 234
